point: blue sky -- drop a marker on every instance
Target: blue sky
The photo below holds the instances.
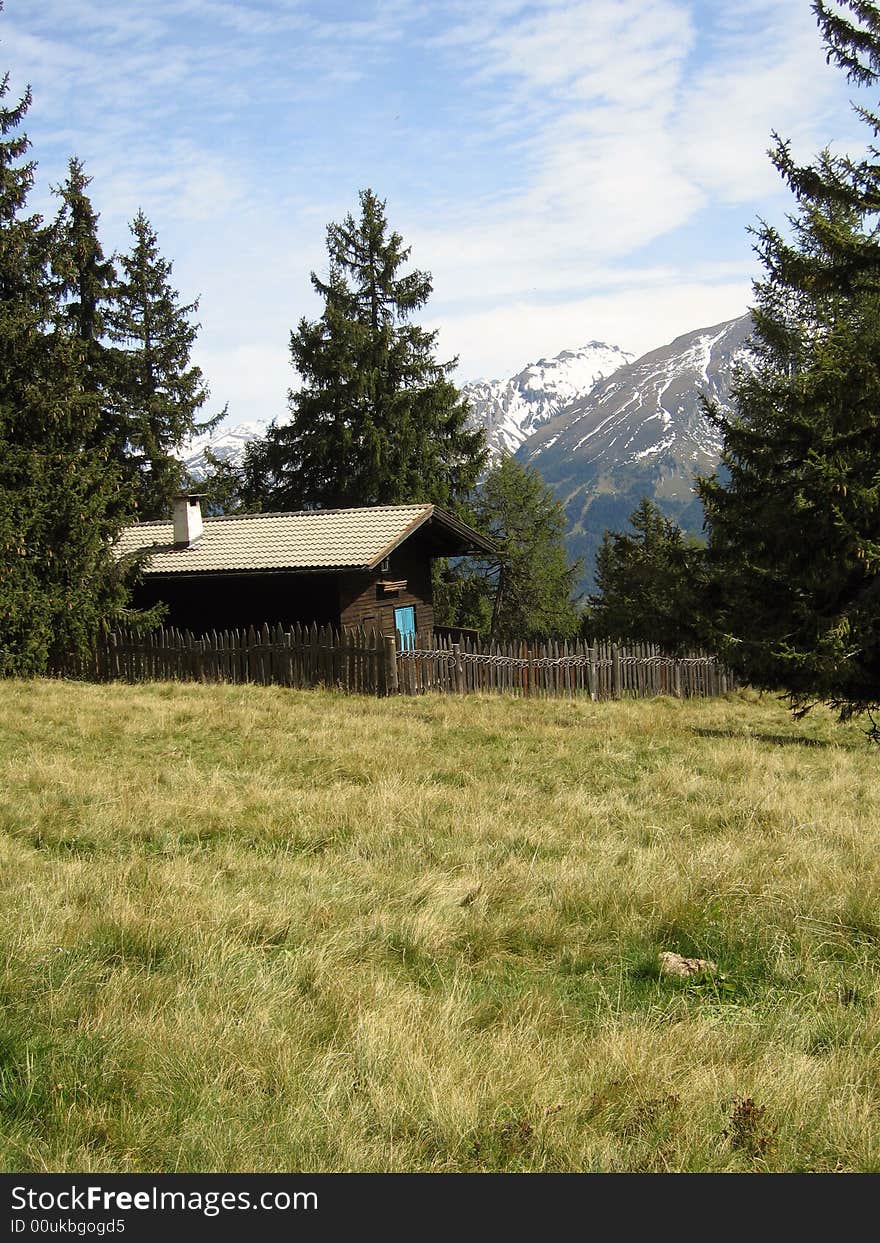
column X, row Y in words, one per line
column 567, row 170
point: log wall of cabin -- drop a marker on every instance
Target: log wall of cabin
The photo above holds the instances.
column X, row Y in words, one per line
column 235, row 601
column 362, row 602
column 201, row 603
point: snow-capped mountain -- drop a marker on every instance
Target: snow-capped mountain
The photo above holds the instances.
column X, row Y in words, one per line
column 649, row 410
column 641, row 432
column 512, row 410
column 226, row 443
column 603, row 430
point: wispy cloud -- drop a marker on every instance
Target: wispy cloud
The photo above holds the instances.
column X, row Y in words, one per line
column 565, row 168
column 764, row 70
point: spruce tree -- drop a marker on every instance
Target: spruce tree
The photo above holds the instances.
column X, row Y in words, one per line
column 377, row 419
column 529, row 585
column 85, row 278
column 84, row 285
column 647, row 582
column 27, row 306
column 158, row 392
column 59, row 494
column 794, row 518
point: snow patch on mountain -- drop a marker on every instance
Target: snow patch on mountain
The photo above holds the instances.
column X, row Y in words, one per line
column 512, row 410
column 650, row 409
column 226, row 443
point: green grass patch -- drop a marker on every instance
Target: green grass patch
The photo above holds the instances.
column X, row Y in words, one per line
column 251, row 928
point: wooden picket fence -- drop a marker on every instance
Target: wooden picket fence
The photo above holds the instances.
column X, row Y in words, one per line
column 602, row 671
column 367, row 662
column 302, row 656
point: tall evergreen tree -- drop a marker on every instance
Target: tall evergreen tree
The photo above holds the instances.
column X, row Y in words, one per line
column 526, row 592
column 377, row 419
column 58, row 581
column 158, row 392
column 27, row 304
column 795, row 528
column 647, row 582
column 84, row 285
column 85, row 277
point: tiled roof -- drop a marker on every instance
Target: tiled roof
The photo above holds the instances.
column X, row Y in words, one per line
column 315, row 539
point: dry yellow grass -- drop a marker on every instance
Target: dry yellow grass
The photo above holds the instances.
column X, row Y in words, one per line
column 250, row 928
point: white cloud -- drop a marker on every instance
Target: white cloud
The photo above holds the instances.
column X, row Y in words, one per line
column 596, row 81
column 637, row 318
column 602, row 49
column 766, row 71
column 252, row 378
column 534, row 153
column 641, row 123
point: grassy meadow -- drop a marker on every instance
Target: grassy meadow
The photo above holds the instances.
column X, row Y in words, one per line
column 248, row 928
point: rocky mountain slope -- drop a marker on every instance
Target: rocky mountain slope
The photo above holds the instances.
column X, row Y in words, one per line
column 513, row 410
column 510, row 410
column 640, row 432
column 602, row 429
column 226, row 443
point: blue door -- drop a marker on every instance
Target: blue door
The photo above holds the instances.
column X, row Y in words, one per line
column 405, row 622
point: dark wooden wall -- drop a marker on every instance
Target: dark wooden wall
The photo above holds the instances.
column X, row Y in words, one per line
column 202, row 603
column 363, row 603
column 235, row 601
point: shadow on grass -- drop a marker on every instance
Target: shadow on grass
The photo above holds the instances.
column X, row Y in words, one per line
column 777, row 740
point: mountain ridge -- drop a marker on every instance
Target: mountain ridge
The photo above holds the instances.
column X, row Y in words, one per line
column 642, row 431
column 602, row 428
column 514, row 409
column 510, row 410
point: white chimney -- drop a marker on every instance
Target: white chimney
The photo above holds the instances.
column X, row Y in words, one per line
column 187, row 520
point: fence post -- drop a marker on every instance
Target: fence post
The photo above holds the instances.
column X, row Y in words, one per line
column 530, row 672
column 459, row 669
column 615, row 671
column 198, row 660
column 390, row 664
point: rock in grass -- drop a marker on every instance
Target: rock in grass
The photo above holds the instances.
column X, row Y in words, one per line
column 675, row 964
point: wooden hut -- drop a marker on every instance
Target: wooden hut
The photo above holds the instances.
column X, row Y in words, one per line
column 346, row 567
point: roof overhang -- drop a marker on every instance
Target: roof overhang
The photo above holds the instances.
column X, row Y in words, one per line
column 461, row 538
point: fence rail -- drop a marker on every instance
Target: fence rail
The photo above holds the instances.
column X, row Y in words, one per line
column 368, row 662
column 602, row 671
